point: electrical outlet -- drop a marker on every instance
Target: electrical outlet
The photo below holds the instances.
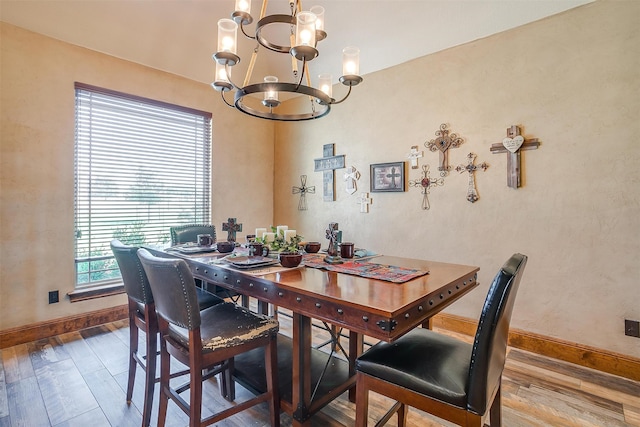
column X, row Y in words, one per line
column 632, row 328
column 54, row 297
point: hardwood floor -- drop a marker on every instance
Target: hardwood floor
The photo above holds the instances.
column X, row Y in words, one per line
column 79, row 379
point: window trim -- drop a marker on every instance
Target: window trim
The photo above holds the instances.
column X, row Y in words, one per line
column 115, row 286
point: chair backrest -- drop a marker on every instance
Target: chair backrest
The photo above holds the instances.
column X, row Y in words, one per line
column 134, row 278
column 189, row 233
column 490, row 344
column 174, row 289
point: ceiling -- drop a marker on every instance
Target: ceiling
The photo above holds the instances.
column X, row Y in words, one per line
column 179, row 36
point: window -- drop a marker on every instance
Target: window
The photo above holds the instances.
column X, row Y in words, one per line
column 141, row 166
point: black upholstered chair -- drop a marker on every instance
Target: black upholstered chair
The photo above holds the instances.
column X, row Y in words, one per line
column 441, row 375
column 203, row 339
column 142, row 316
column 189, row 233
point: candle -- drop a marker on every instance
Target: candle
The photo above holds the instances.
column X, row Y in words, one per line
column 260, row 232
column 289, row 234
column 269, row 237
column 281, row 229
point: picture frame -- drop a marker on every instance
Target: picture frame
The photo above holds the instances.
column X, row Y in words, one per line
column 388, row 177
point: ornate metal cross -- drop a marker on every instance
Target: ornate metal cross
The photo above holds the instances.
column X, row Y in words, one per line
column 513, row 144
column 351, row 176
column 442, row 143
column 328, row 164
column 231, row 226
column 364, row 201
column 334, row 237
column 413, row 156
column 303, row 190
column 472, row 194
column 426, row 183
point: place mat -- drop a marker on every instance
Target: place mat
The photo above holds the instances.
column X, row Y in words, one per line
column 371, row 270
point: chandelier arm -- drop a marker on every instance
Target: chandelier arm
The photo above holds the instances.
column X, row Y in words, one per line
column 225, row 99
column 226, row 70
column 245, row 33
column 345, row 97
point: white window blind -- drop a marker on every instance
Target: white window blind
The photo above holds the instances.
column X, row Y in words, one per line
column 141, row 166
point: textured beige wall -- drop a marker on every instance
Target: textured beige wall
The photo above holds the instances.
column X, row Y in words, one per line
column 36, row 164
column 572, row 82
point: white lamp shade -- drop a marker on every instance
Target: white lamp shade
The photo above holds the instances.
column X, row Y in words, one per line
column 325, row 84
column 271, row 95
column 319, row 12
column 222, row 74
column 306, row 29
column 351, row 61
column 227, row 36
column 243, row 6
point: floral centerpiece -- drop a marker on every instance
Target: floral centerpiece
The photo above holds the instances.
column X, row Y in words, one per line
column 288, row 249
column 279, row 244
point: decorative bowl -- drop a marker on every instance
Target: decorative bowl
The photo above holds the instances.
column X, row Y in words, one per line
column 290, row 260
column 312, row 247
column 225, row 247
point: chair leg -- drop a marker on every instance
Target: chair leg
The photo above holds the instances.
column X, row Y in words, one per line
column 150, row 377
column 133, row 349
column 403, row 410
column 195, row 397
column 362, row 402
column 271, row 364
column 495, row 413
column 165, row 372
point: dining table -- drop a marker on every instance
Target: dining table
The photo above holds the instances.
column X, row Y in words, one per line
column 381, row 297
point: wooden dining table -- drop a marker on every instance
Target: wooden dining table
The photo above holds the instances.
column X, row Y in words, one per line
column 308, row 377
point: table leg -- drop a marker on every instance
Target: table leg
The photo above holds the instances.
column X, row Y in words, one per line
column 356, row 347
column 301, row 370
column 428, row 324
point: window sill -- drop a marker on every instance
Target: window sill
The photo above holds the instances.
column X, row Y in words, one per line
column 96, row 292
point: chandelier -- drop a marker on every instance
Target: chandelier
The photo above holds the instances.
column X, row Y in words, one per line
column 304, row 29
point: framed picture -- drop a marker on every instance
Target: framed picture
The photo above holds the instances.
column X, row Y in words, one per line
column 387, row 177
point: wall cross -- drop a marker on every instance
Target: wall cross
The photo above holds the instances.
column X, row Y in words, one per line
column 328, row 164
column 426, row 183
column 413, row 156
column 364, row 201
column 351, row 176
column 513, row 144
column 303, row 190
column 472, row 194
column 443, row 142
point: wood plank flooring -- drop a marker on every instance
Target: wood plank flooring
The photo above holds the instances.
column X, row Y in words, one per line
column 79, row 379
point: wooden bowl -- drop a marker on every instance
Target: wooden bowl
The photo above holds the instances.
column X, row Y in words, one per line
column 312, row 247
column 290, row 260
column 224, row 247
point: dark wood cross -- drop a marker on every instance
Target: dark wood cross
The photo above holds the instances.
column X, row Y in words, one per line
column 426, row 183
column 303, row 190
column 513, row 144
column 231, row 226
column 442, row 143
column 472, row 194
column 328, row 164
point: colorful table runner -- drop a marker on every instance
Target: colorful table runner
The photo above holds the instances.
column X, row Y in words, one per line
column 388, row 273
